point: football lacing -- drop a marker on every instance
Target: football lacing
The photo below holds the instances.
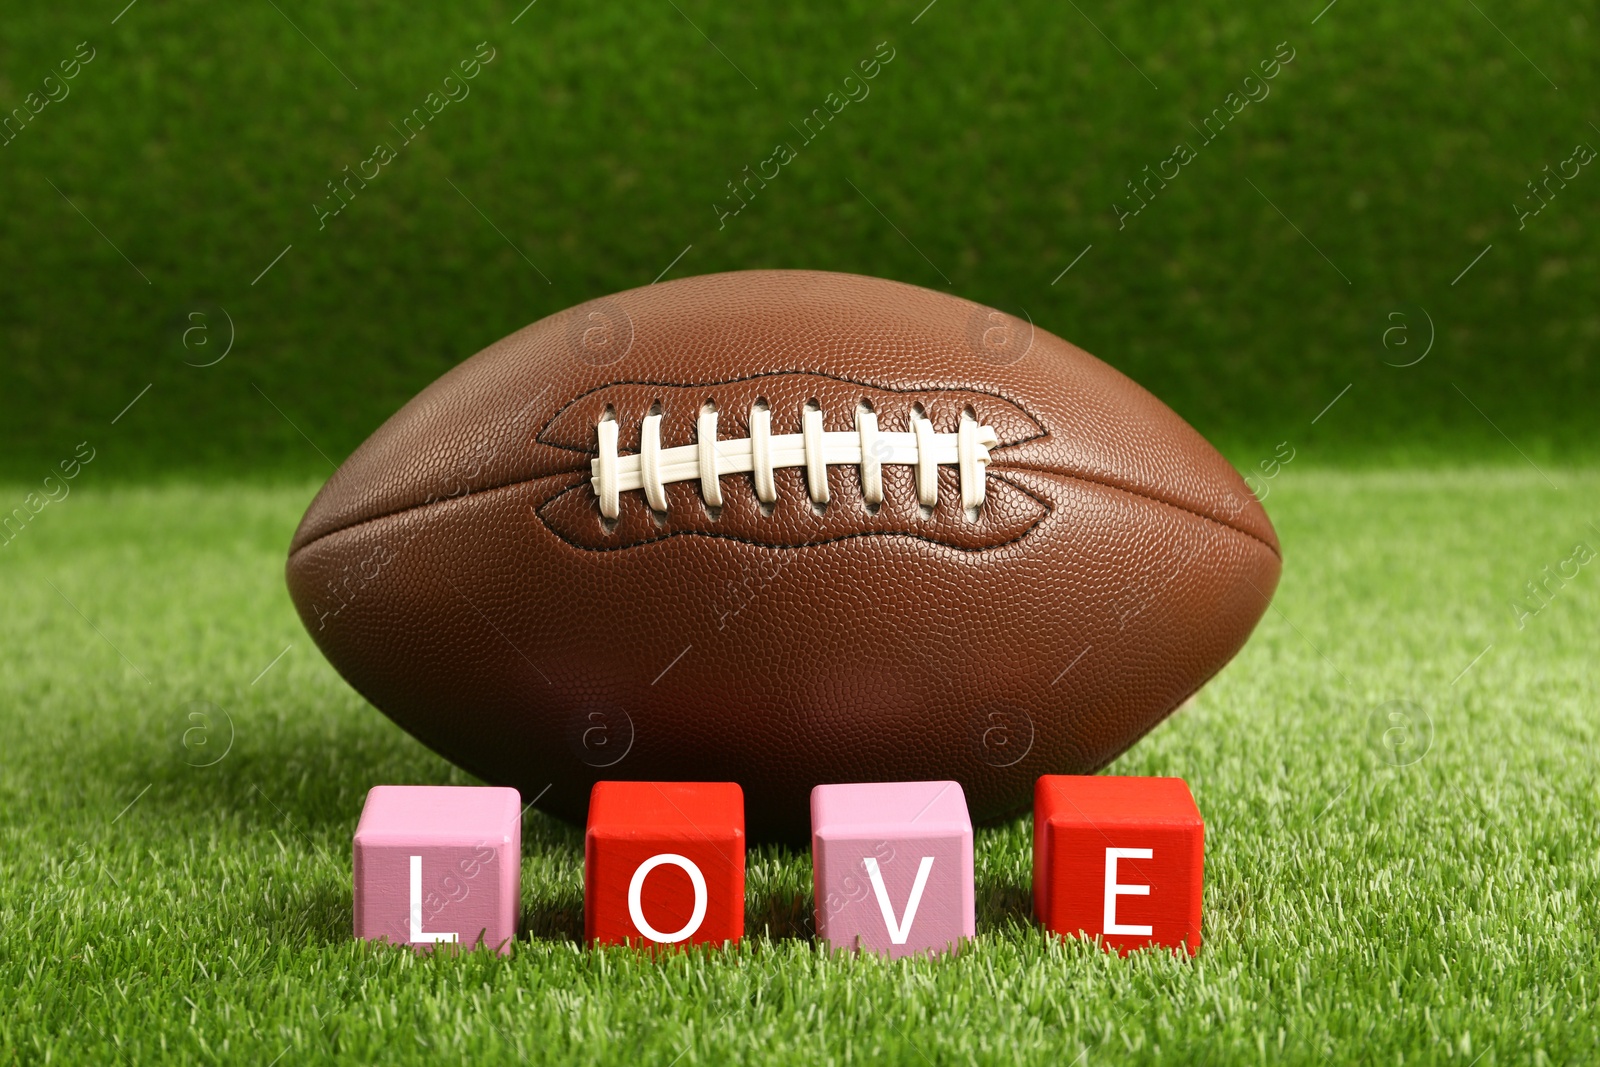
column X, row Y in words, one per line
column 866, row 448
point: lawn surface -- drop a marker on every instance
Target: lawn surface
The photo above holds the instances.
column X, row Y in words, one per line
column 1438, row 911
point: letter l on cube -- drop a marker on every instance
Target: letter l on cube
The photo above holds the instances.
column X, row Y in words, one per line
column 439, row 865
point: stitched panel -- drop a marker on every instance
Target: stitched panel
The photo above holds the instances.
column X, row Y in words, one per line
column 792, row 520
column 1008, row 513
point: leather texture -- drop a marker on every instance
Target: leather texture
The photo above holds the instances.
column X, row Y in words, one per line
column 457, row 571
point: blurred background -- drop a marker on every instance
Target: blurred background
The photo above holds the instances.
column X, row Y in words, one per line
column 1367, row 232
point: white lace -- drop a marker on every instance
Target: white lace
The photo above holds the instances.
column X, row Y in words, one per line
column 815, row 449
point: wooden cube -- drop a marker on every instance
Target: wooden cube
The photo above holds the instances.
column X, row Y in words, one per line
column 1120, row 859
column 439, row 865
column 892, row 865
column 663, row 863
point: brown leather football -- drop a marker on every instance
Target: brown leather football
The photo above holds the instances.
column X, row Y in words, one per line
column 782, row 528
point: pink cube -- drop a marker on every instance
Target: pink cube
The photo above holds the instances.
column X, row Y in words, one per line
column 439, row 865
column 892, row 866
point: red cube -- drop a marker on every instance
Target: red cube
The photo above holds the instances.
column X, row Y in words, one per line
column 1120, row 859
column 663, row 863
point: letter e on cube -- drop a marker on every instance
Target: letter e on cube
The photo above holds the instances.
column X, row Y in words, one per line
column 1121, row 859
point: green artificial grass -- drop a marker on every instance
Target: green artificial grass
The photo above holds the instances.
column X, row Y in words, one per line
column 989, row 154
column 1419, row 891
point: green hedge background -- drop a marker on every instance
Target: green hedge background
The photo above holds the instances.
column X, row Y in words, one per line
column 1380, row 176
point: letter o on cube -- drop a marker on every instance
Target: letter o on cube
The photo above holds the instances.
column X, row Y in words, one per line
column 636, row 895
column 663, row 863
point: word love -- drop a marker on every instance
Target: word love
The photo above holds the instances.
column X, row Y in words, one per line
column 1118, row 860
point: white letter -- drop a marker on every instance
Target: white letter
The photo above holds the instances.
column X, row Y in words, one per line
column 898, row 931
column 1115, row 889
column 636, row 890
column 418, row 935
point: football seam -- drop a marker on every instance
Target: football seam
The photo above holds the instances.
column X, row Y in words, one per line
column 804, row 544
column 997, row 466
column 994, row 467
column 1224, row 523
column 865, row 533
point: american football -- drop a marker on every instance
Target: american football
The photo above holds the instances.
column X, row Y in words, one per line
column 782, row 528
